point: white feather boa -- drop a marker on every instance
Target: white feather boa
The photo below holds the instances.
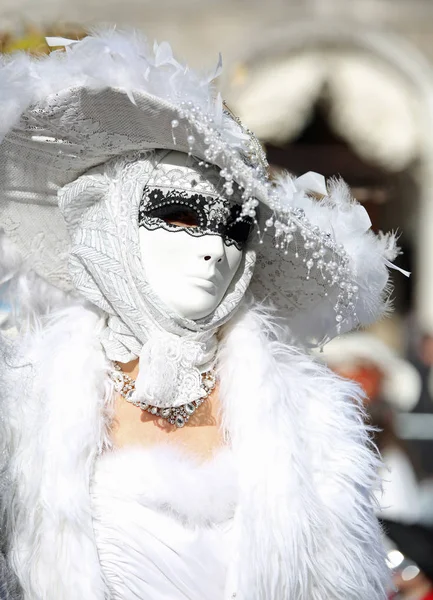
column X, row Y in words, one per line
column 53, row 432
column 305, row 523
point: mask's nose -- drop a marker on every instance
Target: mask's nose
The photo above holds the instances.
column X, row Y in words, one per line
column 213, row 249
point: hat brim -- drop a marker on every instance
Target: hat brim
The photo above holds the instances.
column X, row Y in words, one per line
column 72, row 131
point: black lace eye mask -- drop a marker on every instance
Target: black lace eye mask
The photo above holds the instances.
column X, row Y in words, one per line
column 197, row 214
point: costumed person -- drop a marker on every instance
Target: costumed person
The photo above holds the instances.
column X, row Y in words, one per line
column 164, row 435
column 391, row 384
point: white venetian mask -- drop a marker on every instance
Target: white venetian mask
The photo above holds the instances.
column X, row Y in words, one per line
column 191, row 242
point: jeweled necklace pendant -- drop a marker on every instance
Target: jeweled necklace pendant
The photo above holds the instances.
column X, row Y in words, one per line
column 176, row 415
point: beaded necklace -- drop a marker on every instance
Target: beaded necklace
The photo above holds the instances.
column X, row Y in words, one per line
column 177, row 415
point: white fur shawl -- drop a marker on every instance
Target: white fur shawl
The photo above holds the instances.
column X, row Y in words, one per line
column 304, row 525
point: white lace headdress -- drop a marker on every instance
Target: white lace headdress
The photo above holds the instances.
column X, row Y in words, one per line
column 101, row 211
column 110, row 94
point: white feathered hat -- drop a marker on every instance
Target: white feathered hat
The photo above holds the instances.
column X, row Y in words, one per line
column 111, row 94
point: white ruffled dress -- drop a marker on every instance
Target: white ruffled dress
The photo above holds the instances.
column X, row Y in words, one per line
column 163, row 523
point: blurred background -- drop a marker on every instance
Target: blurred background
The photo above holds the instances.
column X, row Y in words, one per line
column 343, row 88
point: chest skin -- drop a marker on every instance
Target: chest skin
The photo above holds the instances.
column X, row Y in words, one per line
column 200, row 437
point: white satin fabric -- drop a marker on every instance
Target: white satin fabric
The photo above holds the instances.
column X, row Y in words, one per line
column 163, row 524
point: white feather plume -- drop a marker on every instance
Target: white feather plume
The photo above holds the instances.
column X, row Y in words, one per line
column 109, row 58
column 339, row 214
column 50, row 436
column 307, row 469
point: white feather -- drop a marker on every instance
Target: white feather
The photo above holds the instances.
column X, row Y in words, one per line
column 305, row 521
column 170, row 480
column 346, row 220
column 109, row 58
column 52, row 436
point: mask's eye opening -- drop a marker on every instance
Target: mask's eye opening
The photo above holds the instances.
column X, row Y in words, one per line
column 183, row 216
column 239, row 229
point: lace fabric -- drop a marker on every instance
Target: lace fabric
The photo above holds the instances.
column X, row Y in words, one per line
column 211, row 214
column 101, row 210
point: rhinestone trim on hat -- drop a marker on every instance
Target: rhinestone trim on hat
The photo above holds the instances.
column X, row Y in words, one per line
column 247, row 168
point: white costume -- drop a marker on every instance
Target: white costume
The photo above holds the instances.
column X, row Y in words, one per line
column 147, row 551
column 87, row 173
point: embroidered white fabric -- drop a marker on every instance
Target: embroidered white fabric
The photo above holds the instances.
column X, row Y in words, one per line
column 163, row 524
column 101, row 211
